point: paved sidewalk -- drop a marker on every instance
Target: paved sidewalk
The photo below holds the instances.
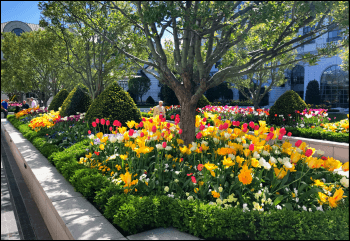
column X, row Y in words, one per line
column 20, row 217
column 9, row 226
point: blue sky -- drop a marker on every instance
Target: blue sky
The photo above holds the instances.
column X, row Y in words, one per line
column 25, row 11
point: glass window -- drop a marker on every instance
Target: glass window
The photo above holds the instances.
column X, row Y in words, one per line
column 334, row 87
column 297, row 80
column 334, row 35
column 18, row 31
column 307, row 30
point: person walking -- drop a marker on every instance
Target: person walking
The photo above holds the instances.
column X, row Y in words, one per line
column 159, row 110
column 4, row 106
column 33, row 102
column 25, row 105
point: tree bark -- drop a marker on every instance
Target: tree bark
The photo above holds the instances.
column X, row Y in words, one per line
column 187, row 121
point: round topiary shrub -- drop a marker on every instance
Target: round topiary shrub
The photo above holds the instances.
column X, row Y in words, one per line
column 150, row 100
column 312, row 95
column 78, row 100
column 58, row 100
column 114, row 104
column 203, row 101
column 287, row 104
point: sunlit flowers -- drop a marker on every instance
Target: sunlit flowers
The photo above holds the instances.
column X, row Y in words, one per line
column 245, row 176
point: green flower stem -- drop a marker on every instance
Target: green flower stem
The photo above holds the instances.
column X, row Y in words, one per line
column 293, row 181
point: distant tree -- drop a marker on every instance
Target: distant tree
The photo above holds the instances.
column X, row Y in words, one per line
column 312, row 95
column 139, row 86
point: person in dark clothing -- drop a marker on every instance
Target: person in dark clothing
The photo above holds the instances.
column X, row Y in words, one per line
column 25, row 105
column 4, row 106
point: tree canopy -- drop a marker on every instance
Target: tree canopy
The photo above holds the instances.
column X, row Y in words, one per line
column 204, row 32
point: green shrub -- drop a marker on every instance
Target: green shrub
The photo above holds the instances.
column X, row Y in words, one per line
column 287, row 104
column 78, row 100
column 150, row 100
column 114, row 104
column 58, row 100
column 88, row 181
column 203, row 101
column 168, row 96
column 312, row 95
column 318, row 133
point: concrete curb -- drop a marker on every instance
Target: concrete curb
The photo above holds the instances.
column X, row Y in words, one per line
column 67, row 214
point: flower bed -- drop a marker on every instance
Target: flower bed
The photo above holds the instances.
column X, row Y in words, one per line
column 253, row 178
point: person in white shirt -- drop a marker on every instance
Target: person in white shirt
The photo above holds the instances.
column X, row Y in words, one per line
column 159, row 109
column 34, row 104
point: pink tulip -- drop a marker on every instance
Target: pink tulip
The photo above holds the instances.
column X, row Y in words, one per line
column 164, row 144
column 199, row 135
column 108, row 123
column 251, row 147
column 154, row 129
column 93, row 124
column 142, row 134
column 97, row 121
column 103, row 121
column 298, row 143
column 131, row 132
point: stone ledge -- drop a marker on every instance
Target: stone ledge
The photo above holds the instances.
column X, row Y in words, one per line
column 67, row 214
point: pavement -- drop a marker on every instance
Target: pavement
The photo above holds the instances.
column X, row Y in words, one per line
column 20, row 217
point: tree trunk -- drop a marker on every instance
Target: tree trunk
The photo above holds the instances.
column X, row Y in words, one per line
column 187, row 121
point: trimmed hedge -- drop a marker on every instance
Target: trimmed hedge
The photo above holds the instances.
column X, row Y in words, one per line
column 58, row 100
column 114, row 104
column 318, row 133
column 78, row 100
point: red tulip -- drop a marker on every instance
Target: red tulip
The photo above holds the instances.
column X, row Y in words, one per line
column 256, row 127
column 219, row 117
column 172, row 117
column 177, row 116
column 154, row 129
column 97, row 153
column 89, row 132
column 289, row 134
column 200, row 167
column 201, row 127
column 189, row 174
column 180, row 131
column 324, row 158
column 115, row 122
column 93, row 124
column 199, row 135
column 308, row 152
column 111, row 128
column 251, row 147
column 245, row 129
column 280, row 137
column 131, row 132
column 108, row 122
column 225, row 126
column 151, row 120
column 205, row 119
column 168, row 125
column 160, row 116
column 103, row 121
column 97, row 121
column 245, row 125
column 143, row 119
column 141, row 124
column 251, row 124
column 194, row 179
column 163, row 119
column 298, row 143
column 272, row 129
column 164, row 143
column 162, row 134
